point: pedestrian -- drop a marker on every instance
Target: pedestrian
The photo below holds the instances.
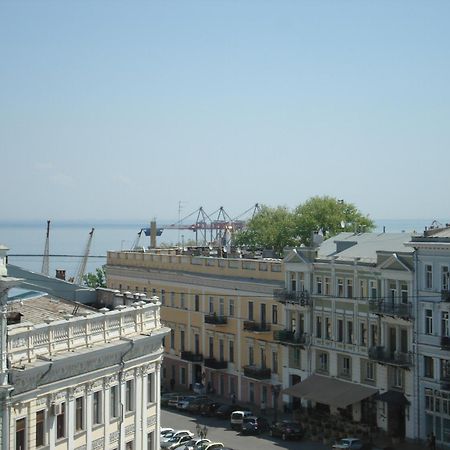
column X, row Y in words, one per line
column 205, row 431
column 198, row 428
column 233, row 398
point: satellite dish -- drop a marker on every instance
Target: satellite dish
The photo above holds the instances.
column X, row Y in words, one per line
column 342, row 224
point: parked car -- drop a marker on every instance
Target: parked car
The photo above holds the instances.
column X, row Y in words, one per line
column 213, row 446
column 164, row 431
column 287, row 430
column 224, row 411
column 166, row 397
column 348, row 443
column 176, row 433
column 173, row 401
column 255, row 425
column 237, row 419
column 175, row 441
column 196, row 405
column 209, row 408
column 192, row 444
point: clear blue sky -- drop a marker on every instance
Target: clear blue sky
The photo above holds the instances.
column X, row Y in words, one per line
column 119, row 109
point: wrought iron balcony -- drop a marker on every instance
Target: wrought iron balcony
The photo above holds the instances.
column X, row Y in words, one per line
column 190, row 356
column 445, row 295
column 289, row 337
column 388, row 308
column 259, row 373
column 299, row 298
column 445, row 342
column 257, row 327
column 214, row 363
column 214, row 319
column 393, row 358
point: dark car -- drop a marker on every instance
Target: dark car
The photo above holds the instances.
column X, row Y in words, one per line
column 225, row 411
column 209, row 408
column 194, row 407
column 254, row 425
column 287, row 430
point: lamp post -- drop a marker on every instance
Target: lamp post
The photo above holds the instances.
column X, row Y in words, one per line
column 276, row 388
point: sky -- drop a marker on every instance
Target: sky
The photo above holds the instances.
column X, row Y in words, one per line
column 119, row 110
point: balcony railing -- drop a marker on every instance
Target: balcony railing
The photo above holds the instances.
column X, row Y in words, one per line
column 215, row 319
column 445, row 295
column 214, row 363
column 388, row 308
column 445, row 342
column 259, row 373
column 290, row 337
column 257, row 327
column 190, row 356
column 284, row 296
column 394, row 358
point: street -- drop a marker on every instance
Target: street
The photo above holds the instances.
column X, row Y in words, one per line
column 219, row 431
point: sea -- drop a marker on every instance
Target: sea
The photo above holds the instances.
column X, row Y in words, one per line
column 68, row 240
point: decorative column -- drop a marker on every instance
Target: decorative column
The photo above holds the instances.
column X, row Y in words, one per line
column 157, row 398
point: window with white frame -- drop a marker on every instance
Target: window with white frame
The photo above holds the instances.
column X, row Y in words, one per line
column 231, row 307
column 172, row 299
column 21, row 435
column 374, row 334
column 328, row 328
column 340, row 287
column 373, row 289
column 323, row 361
column 129, row 396
column 428, row 321
column 404, row 293
column 319, row 327
column 114, row 401
column 40, row 428
column 393, row 291
column 370, row 370
column 150, row 387
column 221, row 307
column 163, row 296
column 274, row 362
column 79, row 414
column 182, row 301
column 362, row 288
column 363, row 334
column 428, row 367
column 445, row 331
column 327, row 286
column 97, row 407
column 344, row 363
column 428, row 276
column 445, row 274
column 349, row 288
column 340, row 330
column 211, row 305
column 251, row 359
column 61, row 421
column 319, row 285
column 349, row 332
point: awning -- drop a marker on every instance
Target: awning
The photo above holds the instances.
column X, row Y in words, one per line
column 330, row 391
column 395, row 397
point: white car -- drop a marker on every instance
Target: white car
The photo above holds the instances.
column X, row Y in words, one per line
column 164, row 431
column 179, row 433
column 213, row 446
column 192, row 444
column 348, row 443
column 175, row 441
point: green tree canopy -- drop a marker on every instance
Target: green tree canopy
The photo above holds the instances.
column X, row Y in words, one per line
column 276, row 228
column 95, row 280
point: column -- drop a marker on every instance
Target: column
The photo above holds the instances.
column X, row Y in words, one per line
column 139, row 402
column 157, row 397
column 238, row 349
column 70, row 411
column 122, row 388
column 88, row 417
column 106, row 409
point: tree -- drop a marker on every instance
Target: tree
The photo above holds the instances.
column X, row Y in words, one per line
column 95, row 280
column 330, row 216
column 270, row 228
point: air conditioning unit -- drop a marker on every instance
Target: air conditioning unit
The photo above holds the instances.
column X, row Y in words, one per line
column 57, row 409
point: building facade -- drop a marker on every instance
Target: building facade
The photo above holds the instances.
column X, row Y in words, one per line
column 80, row 377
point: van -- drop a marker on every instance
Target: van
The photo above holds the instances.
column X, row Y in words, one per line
column 237, row 418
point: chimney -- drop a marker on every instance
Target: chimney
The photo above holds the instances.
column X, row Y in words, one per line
column 61, row 274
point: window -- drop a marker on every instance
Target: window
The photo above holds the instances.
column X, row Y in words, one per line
column 428, row 321
column 374, row 334
column 251, row 393
column 196, row 343
column 183, row 375
column 370, row 371
column 150, row 387
column 20, row 434
column 172, row 339
column 363, row 334
column 163, row 296
column 250, row 356
column 182, row 301
column 428, row 371
column 182, row 340
column 231, row 351
column 349, row 287
column 340, row 336
column 397, row 377
column 250, row 310
column 79, row 414
column 340, row 287
column 274, row 314
column 319, row 285
column 363, row 289
column 392, row 291
column 262, row 357
column 150, row 441
column 211, row 305
column 373, row 290
column 114, row 401
column 327, row 286
column 327, row 328
column 129, row 396
column 231, row 307
column 445, row 278
column 319, row 327
column 197, row 302
column 221, row 350
column 445, row 331
column 404, row 293
column 61, row 421
column 129, row 445
column 323, row 362
column 172, row 299
column 428, row 276
column 221, row 307
column 40, row 428
column 211, row 347
column 344, row 366
column 97, row 407
column 349, row 332
column 275, row 362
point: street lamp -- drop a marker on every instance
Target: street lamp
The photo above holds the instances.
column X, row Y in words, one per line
column 276, row 388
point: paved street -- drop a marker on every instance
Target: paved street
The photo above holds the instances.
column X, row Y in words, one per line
column 219, row 431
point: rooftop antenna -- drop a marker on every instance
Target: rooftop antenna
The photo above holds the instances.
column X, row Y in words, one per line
column 46, row 259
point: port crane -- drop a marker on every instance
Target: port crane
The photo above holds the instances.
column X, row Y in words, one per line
column 46, row 259
column 82, row 268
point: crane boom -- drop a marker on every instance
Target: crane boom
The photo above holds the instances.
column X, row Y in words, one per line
column 46, row 259
column 82, row 268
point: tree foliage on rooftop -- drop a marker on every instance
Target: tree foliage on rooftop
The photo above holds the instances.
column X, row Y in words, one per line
column 276, row 228
column 95, row 280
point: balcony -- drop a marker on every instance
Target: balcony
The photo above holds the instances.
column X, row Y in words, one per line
column 213, row 363
column 256, row 327
column 297, row 298
column 290, row 337
column 192, row 357
column 259, row 373
column 445, row 295
column 388, row 308
column 445, row 342
column 393, row 358
column 214, row 319
column 445, row 382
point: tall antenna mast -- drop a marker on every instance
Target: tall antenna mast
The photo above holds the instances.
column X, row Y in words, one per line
column 46, row 259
